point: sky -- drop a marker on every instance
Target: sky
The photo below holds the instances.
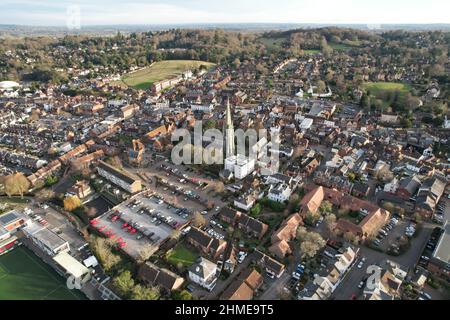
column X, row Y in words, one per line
column 148, row 12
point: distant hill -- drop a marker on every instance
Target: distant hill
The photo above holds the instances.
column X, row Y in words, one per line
column 22, row 30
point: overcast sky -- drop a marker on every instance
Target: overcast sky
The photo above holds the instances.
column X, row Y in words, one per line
column 101, row 12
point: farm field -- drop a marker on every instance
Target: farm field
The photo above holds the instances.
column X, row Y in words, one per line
column 23, row 276
column 144, row 78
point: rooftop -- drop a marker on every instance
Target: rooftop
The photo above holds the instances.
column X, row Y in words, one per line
column 442, row 251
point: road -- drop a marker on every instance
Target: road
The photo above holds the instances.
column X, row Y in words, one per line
column 350, row 284
column 275, row 287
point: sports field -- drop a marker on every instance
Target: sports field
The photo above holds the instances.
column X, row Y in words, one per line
column 23, row 276
column 143, row 79
column 377, row 88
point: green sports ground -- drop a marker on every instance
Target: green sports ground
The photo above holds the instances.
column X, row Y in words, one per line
column 23, row 276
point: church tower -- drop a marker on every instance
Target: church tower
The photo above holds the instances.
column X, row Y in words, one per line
column 228, row 132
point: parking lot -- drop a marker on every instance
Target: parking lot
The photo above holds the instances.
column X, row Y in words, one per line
column 187, row 180
column 144, row 221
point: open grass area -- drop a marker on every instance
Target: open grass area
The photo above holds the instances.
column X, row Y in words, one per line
column 182, row 255
column 14, row 200
column 23, row 276
column 273, row 43
column 377, row 88
column 312, row 51
column 144, row 78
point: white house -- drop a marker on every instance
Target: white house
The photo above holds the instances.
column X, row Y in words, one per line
column 280, row 193
column 204, row 273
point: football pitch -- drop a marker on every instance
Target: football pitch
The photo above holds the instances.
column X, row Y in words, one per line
column 162, row 70
column 23, row 276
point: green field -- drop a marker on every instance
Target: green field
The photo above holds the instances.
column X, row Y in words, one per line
column 182, row 255
column 273, row 43
column 143, row 79
column 23, row 276
column 377, row 88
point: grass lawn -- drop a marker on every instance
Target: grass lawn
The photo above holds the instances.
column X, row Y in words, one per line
column 312, row 51
column 162, row 70
column 23, row 276
column 376, row 88
column 273, row 43
column 14, row 200
column 182, row 255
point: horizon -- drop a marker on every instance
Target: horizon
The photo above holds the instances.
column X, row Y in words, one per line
column 52, row 13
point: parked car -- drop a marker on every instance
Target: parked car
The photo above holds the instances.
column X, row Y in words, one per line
column 361, row 285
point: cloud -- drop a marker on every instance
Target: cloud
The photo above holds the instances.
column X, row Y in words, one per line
column 101, row 12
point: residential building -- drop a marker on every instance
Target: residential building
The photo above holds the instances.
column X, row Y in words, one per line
column 204, row 273
column 119, row 178
column 205, row 243
column 387, row 285
column 153, row 275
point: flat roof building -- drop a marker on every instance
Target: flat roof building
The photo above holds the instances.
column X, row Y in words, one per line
column 45, row 239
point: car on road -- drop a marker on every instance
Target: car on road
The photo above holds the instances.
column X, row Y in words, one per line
column 361, row 285
column 300, row 268
column 241, row 256
column 296, row 275
column 360, row 264
column 425, row 296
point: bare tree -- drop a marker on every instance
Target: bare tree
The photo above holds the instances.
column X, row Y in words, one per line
column 145, row 253
column 16, row 184
column 198, row 220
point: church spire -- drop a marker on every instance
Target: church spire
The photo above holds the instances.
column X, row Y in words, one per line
column 229, row 132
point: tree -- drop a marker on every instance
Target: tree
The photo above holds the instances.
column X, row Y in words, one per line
column 301, row 233
column 389, row 206
column 310, row 242
column 16, row 184
column 182, row 295
column 142, row 293
column 198, row 220
column 145, row 253
column 350, row 237
column 326, row 207
column 103, row 252
column 321, row 86
column 115, row 162
column 312, row 217
column 256, row 210
column 72, row 203
column 330, row 221
column 124, row 284
column 310, row 248
column 220, row 187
